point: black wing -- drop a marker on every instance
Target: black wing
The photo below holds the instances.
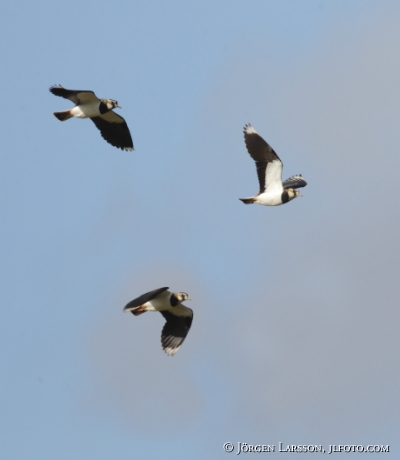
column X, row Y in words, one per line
column 294, row 182
column 144, row 298
column 261, row 152
column 174, row 331
column 76, row 96
column 114, row 130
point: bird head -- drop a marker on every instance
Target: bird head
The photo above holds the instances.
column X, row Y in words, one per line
column 111, row 104
column 293, row 193
column 178, row 297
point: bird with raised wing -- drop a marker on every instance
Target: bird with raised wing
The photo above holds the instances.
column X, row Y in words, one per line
column 112, row 126
column 269, row 170
column 178, row 317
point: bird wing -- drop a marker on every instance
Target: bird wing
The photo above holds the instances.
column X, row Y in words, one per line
column 273, row 176
column 268, row 164
column 114, row 130
column 294, row 182
column 144, row 298
column 76, row 96
column 175, row 330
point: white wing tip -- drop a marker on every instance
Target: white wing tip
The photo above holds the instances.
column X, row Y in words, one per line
column 170, row 351
column 248, row 129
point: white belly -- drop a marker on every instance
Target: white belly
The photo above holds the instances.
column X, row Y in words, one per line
column 86, row 110
column 270, row 199
column 159, row 303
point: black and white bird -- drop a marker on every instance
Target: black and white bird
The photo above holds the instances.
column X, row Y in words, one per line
column 113, row 127
column 178, row 317
column 269, row 170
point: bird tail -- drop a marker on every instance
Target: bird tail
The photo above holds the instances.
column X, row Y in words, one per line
column 136, row 310
column 137, row 313
column 62, row 116
column 248, row 200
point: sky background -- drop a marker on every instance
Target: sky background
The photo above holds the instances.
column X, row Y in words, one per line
column 295, row 337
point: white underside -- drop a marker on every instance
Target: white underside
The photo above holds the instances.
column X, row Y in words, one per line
column 272, row 195
column 273, row 177
column 86, row 110
column 161, row 303
column 270, row 198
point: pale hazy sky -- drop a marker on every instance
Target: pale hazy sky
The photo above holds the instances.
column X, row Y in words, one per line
column 295, row 337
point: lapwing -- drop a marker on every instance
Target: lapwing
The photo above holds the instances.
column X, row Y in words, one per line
column 269, row 170
column 113, row 127
column 169, row 304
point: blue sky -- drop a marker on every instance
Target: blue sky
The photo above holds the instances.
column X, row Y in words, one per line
column 295, row 332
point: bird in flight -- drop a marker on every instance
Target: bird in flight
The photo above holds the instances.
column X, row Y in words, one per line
column 269, row 170
column 178, row 317
column 113, row 127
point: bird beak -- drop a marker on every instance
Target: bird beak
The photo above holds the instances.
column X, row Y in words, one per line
column 118, row 106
